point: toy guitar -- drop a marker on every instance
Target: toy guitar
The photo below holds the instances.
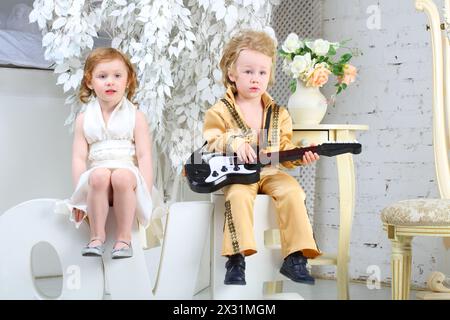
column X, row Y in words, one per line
column 207, row 172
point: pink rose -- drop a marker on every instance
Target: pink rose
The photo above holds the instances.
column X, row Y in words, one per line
column 318, row 77
column 349, row 74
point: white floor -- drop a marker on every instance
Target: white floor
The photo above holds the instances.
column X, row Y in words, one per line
column 322, row 290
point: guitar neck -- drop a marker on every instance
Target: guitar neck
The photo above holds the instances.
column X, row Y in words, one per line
column 287, row 155
column 325, row 149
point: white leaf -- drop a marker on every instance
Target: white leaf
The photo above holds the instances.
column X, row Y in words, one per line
column 217, row 90
column 232, row 12
column 33, row 16
column 79, row 75
column 202, row 84
column 142, row 19
column 220, row 14
column 172, row 51
column 160, row 91
column 256, row 5
column 62, row 78
column 189, row 45
column 48, row 5
column 136, row 45
column 75, row 63
column 181, row 45
column 121, row 2
column 58, row 23
column 231, row 17
column 215, row 42
column 47, row 39
column 66, row 86
column 60, row 68
column 190, row 36
column 210, row 98
column 218, row 5
column 142, row 64
column 148, row 58
column 115, row 13
column 217, row 74
column 115, row 43
column 169, row 81
column 204, row 4
column 74, row 81
column 167, row 91
column 131, row 7
column 145, row 11
column 181, row 119
column 89, row 42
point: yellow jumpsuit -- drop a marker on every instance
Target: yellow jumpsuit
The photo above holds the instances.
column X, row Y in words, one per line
column 225, row 131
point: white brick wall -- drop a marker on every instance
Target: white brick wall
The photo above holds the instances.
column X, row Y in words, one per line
column 393, row 96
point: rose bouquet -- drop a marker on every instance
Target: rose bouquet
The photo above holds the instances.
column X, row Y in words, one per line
column 313, row 61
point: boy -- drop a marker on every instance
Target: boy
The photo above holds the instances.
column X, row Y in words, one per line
column 234, row 124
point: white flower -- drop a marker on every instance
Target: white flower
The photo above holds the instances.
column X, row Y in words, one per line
column 292, row 43
column 319, row 47
column 301, row 64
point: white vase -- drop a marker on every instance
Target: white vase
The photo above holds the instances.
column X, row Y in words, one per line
column 307, row 105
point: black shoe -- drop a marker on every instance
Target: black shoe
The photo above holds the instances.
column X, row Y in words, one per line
column 235, row 270
column 294, row 267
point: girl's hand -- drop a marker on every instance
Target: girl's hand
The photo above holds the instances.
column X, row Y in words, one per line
column 309, row 157
column 246, row 153
column 79, row 214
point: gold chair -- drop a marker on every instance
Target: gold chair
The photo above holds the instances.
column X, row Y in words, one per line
column 425, row 217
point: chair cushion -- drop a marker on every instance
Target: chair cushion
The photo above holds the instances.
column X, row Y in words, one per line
column 421, row 212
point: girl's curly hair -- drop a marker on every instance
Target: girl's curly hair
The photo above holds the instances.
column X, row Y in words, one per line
column 100, row 55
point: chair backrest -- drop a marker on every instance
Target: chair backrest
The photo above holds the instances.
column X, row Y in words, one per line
column 441, row 84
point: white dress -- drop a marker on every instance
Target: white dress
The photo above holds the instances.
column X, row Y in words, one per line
column 111, row 146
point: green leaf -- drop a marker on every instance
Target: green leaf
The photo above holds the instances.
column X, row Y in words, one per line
column 337, row 69
column 293, row 85
column 283, row 54
column 321, row 59
column 339, row 90
column 344, row 86
column 307, row 49
column 346, row 57
column 331, row 51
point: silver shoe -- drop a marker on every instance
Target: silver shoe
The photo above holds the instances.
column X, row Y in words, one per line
column 96, row 251
column 125, row 252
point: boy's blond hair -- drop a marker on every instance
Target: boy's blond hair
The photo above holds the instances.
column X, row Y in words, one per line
column 247, row 39
column 100, row 55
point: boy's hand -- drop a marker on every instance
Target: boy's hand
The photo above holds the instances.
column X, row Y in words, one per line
column 79, row 214
column 246, row 153
column 309, row 157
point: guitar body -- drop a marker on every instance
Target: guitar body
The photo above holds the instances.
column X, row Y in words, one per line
column 217, row 172
column 208, row 172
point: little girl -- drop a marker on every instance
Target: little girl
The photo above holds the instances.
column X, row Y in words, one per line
column 112, row 161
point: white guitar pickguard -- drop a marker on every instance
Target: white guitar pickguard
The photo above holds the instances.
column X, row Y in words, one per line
column 222, row 166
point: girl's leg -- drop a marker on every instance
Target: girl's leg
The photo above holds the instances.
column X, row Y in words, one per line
column 97, row 203
column 123, row 184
